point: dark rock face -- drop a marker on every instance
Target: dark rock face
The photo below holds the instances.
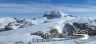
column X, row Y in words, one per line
column 80, row 28
column 7, row 28
column 68, row 30
column 21, row 21
column 26, row 24
column 54, row 33
column 87, row 29
column 92, row 32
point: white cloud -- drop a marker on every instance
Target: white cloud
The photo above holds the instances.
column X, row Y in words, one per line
column 23, row 8
column 41, row 8
column 78, row 8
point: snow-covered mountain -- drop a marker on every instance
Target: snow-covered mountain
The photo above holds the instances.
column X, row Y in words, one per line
column 54, row 14
column 57, row 20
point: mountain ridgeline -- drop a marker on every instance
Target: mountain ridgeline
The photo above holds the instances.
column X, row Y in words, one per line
column 53, row 24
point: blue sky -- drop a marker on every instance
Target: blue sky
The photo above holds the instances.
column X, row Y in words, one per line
column 33, row 8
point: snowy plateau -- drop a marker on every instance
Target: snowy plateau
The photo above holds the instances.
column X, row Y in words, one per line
column 54, row 27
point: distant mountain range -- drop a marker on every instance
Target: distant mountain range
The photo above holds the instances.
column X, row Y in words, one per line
column 55, row 23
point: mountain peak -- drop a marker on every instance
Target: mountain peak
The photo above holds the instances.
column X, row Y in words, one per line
column 56, row 13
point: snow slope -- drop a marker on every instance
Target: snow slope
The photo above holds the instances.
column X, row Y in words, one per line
column 51, row 19
column 5, row 20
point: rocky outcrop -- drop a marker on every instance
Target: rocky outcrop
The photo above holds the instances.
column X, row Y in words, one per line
column 53, row 33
